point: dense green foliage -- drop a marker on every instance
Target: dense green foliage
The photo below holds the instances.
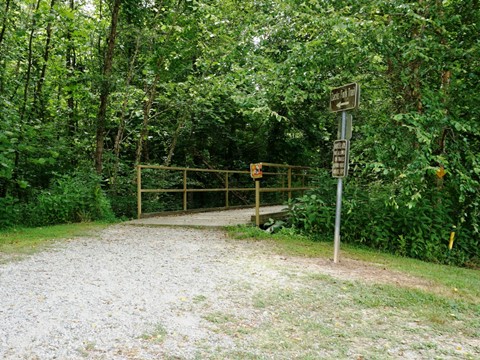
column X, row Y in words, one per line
column 371, row 218
column 70, row 198
column 210, row 83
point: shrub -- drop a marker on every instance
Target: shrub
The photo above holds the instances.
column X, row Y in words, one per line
column 381, row 217
column 9, row 212
column 71, row 198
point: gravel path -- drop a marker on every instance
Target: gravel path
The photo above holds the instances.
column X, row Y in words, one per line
column 137, row 292
column 112, row 296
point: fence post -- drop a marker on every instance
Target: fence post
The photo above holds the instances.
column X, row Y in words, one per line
column 303, row 181
column 139, row 191
column 226, row 190
column 289, row 183
column 257, row 202
column 185, row 190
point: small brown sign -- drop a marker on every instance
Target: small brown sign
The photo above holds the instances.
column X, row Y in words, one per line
column 340, row 159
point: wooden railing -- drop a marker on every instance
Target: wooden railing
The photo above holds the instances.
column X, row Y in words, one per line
column 296, row 180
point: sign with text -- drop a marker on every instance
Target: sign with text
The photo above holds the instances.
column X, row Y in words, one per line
column 340, row 159
column 345, row 97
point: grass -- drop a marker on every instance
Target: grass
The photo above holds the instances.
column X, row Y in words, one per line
column 369, row 319
column 158, row 335
column 219, row 318
column 331, row 319
column 26, row 241
column 286, row 241
column 465, row 282
column 328, row 318
column 459, row 283
column 197, row 299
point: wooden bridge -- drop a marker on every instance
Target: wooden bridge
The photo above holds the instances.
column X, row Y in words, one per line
column 242, row 191
column 215, row 219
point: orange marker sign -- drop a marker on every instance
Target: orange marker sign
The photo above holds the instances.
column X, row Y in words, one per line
column 441, row 172
column 256, row 171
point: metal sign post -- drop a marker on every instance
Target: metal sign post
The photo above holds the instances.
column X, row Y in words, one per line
column 338, row 209
column 342, row 99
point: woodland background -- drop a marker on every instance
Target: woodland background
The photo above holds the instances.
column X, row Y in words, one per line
column 90, row 88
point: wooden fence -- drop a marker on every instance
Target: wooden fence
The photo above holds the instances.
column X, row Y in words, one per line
column 291, row 178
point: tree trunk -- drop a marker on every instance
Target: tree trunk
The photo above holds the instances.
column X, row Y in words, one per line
column 29, row 65
column 39, row 103
column 23, row 106
column 105, row 89
column 151, row 92
column 70, row 64
column 181, row 123
column 2, row 34
column 123, row 122
column 4, row 22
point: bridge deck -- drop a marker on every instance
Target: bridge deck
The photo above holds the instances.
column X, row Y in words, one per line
column 207, row 219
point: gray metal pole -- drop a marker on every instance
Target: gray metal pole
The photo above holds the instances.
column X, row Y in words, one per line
column 338, row 211
column 344, row 125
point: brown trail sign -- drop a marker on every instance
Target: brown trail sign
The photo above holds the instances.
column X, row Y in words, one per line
column 345, row 97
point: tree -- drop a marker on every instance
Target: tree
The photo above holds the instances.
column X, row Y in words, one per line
column 105, row 87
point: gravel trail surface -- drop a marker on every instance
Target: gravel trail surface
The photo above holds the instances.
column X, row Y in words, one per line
column 109, row 297
column 145, row 293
